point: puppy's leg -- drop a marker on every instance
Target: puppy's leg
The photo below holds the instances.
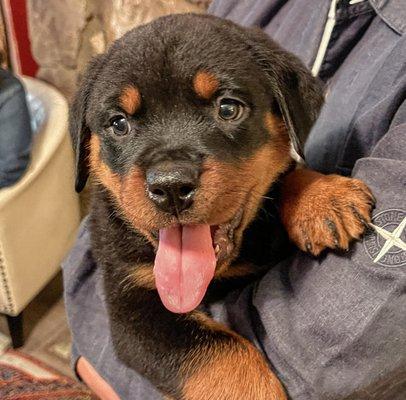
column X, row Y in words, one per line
column 320, row 211
column 186, row 356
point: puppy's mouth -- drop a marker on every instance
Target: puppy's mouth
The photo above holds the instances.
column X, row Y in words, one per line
column 223, row 237
column 186, row 261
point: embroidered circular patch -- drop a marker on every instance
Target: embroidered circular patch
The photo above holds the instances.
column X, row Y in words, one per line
column 386, row 242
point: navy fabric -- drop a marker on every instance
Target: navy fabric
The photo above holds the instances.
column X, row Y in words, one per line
column 15, row 130
column 351, row 24
column 332, row 327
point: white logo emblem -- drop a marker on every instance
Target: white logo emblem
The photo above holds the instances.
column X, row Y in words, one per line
column 386, row 246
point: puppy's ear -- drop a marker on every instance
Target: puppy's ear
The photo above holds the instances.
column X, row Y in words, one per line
column 298, row 95
column 79, row 131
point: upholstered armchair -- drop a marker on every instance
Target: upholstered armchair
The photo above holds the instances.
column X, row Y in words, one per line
column 39, row 215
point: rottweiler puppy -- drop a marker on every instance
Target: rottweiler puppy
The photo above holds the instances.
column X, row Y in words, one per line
column 187, row 126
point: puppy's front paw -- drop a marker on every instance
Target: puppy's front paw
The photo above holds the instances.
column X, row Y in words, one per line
column 324, row 211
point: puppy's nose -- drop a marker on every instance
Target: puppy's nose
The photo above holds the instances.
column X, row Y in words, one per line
column 172, row 186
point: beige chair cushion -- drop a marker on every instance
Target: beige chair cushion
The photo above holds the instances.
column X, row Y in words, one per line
column 40, row 214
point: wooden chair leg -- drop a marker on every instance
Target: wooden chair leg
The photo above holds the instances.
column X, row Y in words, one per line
column 15, row 327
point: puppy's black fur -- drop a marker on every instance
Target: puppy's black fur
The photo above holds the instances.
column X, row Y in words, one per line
column 171, row 123
column 162, row 58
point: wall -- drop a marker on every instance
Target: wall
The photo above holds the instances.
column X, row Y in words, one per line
column 65, row 34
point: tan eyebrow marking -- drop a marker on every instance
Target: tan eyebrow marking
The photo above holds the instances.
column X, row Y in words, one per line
column 205, row 84
column 130, row 99
column 274, row 125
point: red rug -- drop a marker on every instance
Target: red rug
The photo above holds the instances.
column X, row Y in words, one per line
column 24, row 378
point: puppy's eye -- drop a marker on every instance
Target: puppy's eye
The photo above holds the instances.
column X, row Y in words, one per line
column 120, row 126
column 230, row 109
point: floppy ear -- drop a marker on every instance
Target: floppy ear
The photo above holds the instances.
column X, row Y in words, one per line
column 79, row 131
column 299, row 95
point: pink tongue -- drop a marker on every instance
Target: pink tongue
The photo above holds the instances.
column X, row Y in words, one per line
column 184, row 266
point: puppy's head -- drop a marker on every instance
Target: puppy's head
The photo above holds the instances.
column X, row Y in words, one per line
column 186, row 122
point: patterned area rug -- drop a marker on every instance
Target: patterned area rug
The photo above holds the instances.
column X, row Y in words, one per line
column 22, row 377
